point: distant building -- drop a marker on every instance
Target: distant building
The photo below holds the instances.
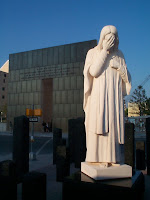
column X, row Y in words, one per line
column 51, row 79
column 5, row 67
column 4, row 72
column 133, row 110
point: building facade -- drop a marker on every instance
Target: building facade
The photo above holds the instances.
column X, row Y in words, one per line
column 133, row 110
column 3, row 94
column 51, row 79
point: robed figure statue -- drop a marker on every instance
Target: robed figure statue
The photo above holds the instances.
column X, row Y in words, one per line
column 106, row 82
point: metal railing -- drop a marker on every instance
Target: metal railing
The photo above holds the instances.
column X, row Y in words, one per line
column 139, row 122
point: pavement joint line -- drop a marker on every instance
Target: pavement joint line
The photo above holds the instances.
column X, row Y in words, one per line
column 40, row 149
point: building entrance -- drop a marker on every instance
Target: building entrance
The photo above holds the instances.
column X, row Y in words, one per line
column 47, row 100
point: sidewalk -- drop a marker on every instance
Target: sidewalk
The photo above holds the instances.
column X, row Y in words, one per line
column 42, row 160
column 54, row 188
column 44, row 163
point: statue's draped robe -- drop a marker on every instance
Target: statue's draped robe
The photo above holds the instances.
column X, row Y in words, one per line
column 104, row 88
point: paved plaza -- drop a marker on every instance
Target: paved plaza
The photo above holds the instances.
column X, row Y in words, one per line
column 44, row 164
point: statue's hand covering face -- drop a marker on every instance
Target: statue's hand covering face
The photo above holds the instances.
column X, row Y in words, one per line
column 109, row 42
column 109, row 38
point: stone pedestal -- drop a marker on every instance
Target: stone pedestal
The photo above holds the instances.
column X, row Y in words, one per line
column 80, row 186
column 99, row 172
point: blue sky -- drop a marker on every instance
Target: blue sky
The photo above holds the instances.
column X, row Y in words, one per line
column 33, row 24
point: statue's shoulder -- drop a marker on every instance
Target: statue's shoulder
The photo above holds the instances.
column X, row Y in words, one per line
column 120, row 54
column 91, row 51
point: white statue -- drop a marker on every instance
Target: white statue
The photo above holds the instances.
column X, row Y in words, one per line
column 106, row 81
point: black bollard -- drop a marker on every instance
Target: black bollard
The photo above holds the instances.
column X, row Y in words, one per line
column 8, row 168
column 57, row 139
column 62, row 161
column 8, row 187
column 77, row 141
column 21, row 146
column 129, row 145
column 140, row 159
column 34, row 186
column 71, row 126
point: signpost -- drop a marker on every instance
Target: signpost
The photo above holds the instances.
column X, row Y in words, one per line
column 33, row 119
column 33, row 115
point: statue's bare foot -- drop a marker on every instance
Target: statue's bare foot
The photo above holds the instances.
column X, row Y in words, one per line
column 105, row 164
column 115, row 164
column 101, row 164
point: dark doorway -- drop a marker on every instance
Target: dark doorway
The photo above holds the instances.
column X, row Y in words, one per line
column 47, row 97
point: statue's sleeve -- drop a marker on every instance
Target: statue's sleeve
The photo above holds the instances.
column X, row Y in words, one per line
column 88, row 79
column 125, row 75
column 97, row 64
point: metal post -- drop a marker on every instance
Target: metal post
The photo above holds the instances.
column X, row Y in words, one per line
column 32, row 155
column 135, row 153
column 1, row 115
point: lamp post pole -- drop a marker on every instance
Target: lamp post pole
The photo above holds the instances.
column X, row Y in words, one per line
column 1, row 116
column 32, row 155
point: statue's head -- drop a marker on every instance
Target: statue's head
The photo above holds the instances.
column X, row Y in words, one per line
column 106, row 32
